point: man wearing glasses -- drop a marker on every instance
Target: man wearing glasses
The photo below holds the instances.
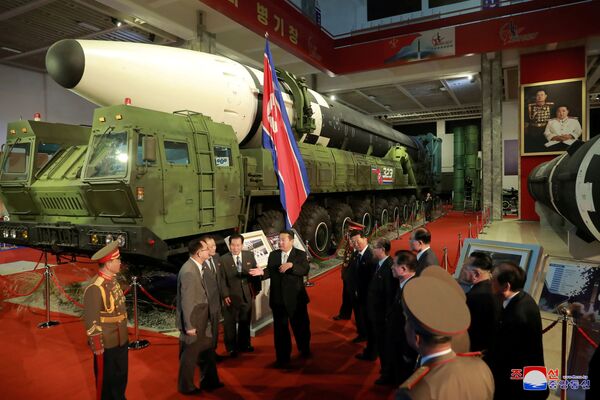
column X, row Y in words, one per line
column 195, row 323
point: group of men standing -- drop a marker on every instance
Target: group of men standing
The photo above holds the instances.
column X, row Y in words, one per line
column 208, row 285
column 435, row 341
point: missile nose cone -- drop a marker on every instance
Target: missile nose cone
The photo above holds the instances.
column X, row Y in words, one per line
column 65, row 62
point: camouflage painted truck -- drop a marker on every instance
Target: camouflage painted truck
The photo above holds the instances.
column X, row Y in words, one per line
column 153, row 180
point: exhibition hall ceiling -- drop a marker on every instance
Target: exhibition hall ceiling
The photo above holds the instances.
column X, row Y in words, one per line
column 444, row 89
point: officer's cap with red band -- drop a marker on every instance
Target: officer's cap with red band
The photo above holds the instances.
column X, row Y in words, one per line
column 107, row 253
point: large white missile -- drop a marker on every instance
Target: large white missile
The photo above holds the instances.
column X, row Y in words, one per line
column 170, row 79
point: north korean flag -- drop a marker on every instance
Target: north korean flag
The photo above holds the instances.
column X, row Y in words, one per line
column 279, row 139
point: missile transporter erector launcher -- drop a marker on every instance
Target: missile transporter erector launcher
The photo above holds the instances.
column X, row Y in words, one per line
column 153, row 180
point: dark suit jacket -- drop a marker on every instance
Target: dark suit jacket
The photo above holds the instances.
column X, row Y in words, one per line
column 287, row 289
column 359, row 274
column 518, row 344
column 192, row 305
column 382, row 290
column 395, row 321
column 236, row 285
column 427, row 258
column 485, row 308
column 212, row 283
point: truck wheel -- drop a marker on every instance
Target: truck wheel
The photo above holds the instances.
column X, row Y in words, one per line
column 340, row 214
column 314, row 225
column 380, row 211
column 363, row 214
column 270, row 222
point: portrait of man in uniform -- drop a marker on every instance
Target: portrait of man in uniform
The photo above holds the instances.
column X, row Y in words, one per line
column 552, row 115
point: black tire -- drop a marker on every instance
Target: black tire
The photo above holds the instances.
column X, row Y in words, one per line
column 394, row 209
column 363, row 214
column 271, row 222
column 314, row 225
column 340, row 214
column 380, row 211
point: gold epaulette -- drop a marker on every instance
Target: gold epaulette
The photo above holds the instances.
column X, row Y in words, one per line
column 98, row 283
column 415, row 377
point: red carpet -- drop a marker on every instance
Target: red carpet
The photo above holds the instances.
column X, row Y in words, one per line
column 57, row 364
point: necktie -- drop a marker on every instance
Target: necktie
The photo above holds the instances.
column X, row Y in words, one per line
column 238, row 264
column 284, row 257
column 212, row 266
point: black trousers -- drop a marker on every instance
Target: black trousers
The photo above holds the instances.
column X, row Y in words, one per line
column 115, row 368
column 237, row 339
column 192, row 355
column 300, row 326
column 346, row 307
column 359, row 305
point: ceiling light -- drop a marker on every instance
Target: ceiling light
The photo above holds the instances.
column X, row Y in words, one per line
column 470, row 77
column 332, row 97
column 116, row 22
column 86, row 25
column 139, row 21
column 371, row 97
column 11, row 50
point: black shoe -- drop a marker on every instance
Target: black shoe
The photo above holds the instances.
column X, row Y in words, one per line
column 233, row 354
column 213, row 386
column 192, row 392
column 281, row 365
column 248, row 349
column 359, row 339
column 339, row 317
column 365, row 357
column 306, row 354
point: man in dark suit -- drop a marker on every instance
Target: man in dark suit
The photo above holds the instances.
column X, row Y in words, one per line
column 212, row 280
column 237, row 295
column 288, row 300
column 519, row 338
column 360, row 271
column 195, row 323
column 483, row 304
column 379, row 301
column 402, row 357
column 420, row 242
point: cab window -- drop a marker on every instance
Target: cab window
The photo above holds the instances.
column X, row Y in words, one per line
column 222, row 156
column 177, row 153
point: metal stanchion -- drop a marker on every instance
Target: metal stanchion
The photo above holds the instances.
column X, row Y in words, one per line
column 446, row 259
column 307, row 282
column 564, row 311
column 375, row 229
column 138, row 343
column 47, row 274
column 470, row 230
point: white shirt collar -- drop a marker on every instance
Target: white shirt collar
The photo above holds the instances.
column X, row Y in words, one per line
column 382, row 261
column 198, row 265
column 505, row 302
column 434, row 355
column 406, row 280
column 419, row 254
column 363, row 251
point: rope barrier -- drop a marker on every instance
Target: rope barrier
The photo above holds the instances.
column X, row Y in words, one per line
column 12, row 293
column 331, row 257
column 552, row 325
column 127, row 290
column 64, row 292
column 160, row 303
column 586, row 337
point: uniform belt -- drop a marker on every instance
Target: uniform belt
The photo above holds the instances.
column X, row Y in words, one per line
column 538, row 124
column 118, row 318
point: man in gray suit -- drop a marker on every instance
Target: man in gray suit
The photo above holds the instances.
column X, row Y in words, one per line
column 195, row 323
column 420, row 242
column 236, row 285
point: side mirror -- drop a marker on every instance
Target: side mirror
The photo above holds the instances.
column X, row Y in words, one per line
column 149, row 148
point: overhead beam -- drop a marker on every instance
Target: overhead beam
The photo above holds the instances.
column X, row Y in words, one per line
column 450, row 92
column 352, row 106
column 24, row 9
column 41, row 49
column 410, row 96
column 372, row 99
column 593, row 78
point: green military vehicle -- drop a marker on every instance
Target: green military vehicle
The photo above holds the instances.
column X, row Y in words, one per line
column 153, row 180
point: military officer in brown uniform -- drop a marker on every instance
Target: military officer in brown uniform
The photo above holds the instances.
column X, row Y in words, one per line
column 540, row 113
column 105, row 318
column 435, row 313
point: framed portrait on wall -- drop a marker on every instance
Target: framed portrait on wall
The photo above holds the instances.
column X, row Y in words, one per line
column 526, row 256
column 552, row 116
